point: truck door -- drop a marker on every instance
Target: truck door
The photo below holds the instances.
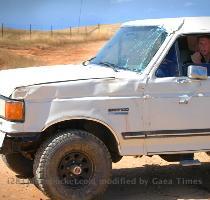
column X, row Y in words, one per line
column 178, row 109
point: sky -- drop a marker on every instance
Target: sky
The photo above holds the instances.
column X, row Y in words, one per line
column 65, row 13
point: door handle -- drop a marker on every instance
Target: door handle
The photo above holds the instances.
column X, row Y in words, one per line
column 147, row 96
column 184, row 99
column 183, row 81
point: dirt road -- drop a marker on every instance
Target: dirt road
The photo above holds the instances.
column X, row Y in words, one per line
column 133, row 179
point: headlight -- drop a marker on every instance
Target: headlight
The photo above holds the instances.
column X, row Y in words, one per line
column 12, row 110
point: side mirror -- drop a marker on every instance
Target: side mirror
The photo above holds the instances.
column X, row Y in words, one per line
column 197, row 72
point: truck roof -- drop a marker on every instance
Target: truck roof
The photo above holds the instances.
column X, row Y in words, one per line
column 183, row 24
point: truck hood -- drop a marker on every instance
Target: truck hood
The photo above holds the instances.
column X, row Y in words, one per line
column 14, row 78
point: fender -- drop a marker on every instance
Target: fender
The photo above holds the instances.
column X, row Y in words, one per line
column 85, row 118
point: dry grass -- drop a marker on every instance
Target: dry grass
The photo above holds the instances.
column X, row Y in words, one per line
column 22, row 38
column 19, row 49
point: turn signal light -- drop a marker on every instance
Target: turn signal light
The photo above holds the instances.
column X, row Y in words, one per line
column 12, row 110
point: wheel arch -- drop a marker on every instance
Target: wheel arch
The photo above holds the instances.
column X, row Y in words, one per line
column 96, row 127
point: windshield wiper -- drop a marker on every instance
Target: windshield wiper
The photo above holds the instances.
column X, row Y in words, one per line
column 87, row 62
column 110, row 65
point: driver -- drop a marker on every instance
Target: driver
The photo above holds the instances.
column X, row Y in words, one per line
column 203, row 53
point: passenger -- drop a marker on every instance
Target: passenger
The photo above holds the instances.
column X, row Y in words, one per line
column 203, row 53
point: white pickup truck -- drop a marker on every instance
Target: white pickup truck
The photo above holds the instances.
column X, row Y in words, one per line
column 141, row 95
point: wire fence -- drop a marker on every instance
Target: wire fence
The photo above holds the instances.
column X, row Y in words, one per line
column 30, row 32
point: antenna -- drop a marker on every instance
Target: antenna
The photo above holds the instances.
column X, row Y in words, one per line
column 80, row 12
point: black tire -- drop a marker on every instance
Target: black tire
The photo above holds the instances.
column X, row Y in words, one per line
column 93, row 166
column 19, row 164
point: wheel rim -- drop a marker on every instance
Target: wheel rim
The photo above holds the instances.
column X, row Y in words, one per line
column 75, row 170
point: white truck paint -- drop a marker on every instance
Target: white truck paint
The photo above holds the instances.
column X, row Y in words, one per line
column 59, row 93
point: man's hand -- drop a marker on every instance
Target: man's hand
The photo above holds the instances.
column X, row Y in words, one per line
column 196, row 58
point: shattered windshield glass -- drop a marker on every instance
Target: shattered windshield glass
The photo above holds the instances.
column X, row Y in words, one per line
column 132, row 48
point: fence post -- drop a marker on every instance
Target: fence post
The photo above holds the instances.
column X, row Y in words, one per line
column 30, row 31
column 86, row 33
column 98, row 28
column 70, row 32
column 2, row 30
column 51, row 30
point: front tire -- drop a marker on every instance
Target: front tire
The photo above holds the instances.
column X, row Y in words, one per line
column 74, row 165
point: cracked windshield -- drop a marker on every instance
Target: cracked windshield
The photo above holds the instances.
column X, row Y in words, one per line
column 132, row 48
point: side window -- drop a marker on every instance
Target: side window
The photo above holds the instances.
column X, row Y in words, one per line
column 188, row 46
column 169, row 67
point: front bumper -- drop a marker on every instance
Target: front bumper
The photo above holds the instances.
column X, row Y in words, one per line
column 24, row 143
column 2, row 136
